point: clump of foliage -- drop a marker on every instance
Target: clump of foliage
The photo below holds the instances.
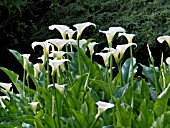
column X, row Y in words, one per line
column 79, row 92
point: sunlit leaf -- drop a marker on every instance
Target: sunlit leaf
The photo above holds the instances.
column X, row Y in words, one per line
column 160, row 105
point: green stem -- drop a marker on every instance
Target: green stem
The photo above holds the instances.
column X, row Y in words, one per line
column 132, row 78
column 67, row 57
column 79, row 58
column 111, row 64
column 23, row 94
column 107, row 75
column 48, row 72
column 94, row 122
column 57, row 122
column 120, row 71
column 155, row 78
column 27, row 78
column 72, row 125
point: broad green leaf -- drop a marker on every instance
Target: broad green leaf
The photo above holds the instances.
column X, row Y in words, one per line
column 14, row 78
column 123, row 114
column 162, row 121
column 120, row 92
column 80, row 119
column 49, row 121
column 146, row 116
column 142, row 88
column 127, row 69
column 99, row 85
column 92, row 67
column 90, row 103
column 38, row 123
column 160, row 105
column 78, row 88
column 149, row 73
column 19, row 57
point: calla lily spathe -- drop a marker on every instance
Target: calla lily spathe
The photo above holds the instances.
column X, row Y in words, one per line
column 57, row 54
column 43, row 58
column 44, row 44
column 105, row 57
column 168, row 61
column 56, row 63
column 166, row 38
column 81, row 26
column 70, row 33
column 129, row 37
column 114, row 52
column 111, row 33
column 103, row 106
column 61, row 28
column 60, row 88
column 34, row 106
column 6, row 86
column 91, row 47
column 26, row 60
column 122, row 48
column 37, row 69
column 59, row 43
column 81, row 42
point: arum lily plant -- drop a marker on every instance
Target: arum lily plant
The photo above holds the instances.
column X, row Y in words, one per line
column 93, row 97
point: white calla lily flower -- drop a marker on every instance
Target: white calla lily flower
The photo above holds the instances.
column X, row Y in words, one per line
column 70, row 33
column 168, row 61
column 55, row 63
column 57, row 54
column 114, row 52
column 6, row 86
column 1, row 102
column 43, row 58
column 81, row 42
column 34, row 106
column 111, row 33
column 103, row 106
column 129, row 37
column 61, row 28
column 117, row 29
column 166, row 38
column 5, row 97
column 26, row 60
column 60, row 88
column 122, row 48
column 91, row 47
column 44, row 44
column 37, row 69
column 59, row 43
column 105, row 57
column 81, row 26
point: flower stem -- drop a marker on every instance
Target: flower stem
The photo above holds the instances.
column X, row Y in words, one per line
column 94, row 122
column 79, row 58
column 23, row 86
column 132, row 78
column 48, row 72
column 55, row 104
column 27, row 78
column 120, row 71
